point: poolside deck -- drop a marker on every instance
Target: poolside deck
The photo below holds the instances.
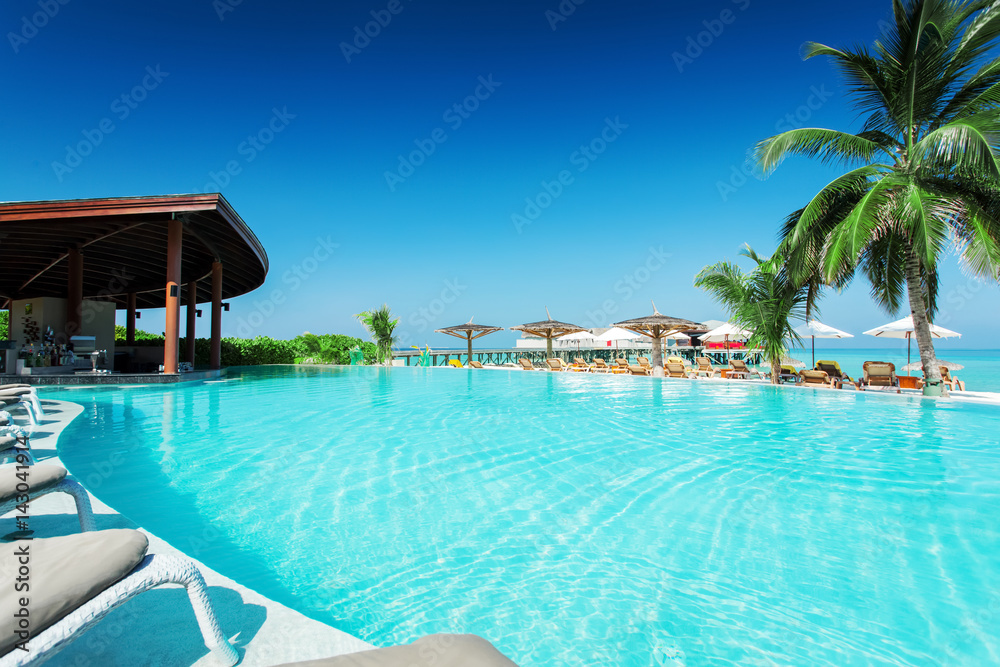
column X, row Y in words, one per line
column 80, row 379
column 159, row 627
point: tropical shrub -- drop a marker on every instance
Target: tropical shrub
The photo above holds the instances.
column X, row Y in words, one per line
column 121, row 335
column 4, row 324
column 382, row 326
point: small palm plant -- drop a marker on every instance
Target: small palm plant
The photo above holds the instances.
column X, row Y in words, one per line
column 381, row 325
column 764, row 301
column 319, row 350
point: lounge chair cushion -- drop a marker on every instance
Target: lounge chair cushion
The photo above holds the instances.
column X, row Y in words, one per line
column 66, row 572
column 39, row 478
column 432, row 650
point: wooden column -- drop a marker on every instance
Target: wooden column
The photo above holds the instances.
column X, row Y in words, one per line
column 216, row 357
column 175, row 234
column 192, row 313
column 74, row 292
column 130, row 320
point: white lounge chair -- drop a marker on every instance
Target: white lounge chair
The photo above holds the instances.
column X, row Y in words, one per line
column 31, row 483
column 25, row 392
column 77, row 579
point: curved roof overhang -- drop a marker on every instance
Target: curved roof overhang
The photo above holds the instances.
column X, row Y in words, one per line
column 124, row 246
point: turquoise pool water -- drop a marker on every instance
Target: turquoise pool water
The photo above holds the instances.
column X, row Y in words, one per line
column 575, row 520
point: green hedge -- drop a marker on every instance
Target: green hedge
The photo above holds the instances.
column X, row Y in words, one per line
column 121, row 335
column 4, row 324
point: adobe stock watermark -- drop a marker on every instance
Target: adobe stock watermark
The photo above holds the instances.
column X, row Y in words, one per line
column 714, row 28
column 249, row 149
column 223, row 7
column 121, row 107
column 454, row 116
column 31, row 25
column 381, row 18
column 584, row 156
column 293, row 278
column 793, row 120
column 628, row 285
column 565, row 9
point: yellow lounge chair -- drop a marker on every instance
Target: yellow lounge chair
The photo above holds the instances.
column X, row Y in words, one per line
column 455, row 363
column 639, row 370
column 621, row 366
column 579, row 365
column 832, row 369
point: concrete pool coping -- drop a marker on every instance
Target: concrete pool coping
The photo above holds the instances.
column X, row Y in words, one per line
column 159, row 627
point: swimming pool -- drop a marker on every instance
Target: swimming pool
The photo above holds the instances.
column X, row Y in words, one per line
column 574, row 520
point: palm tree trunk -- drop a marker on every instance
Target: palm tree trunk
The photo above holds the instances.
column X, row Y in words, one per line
column 657, row 358
column 921, row 323
column 775, row 370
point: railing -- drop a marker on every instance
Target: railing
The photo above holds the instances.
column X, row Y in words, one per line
column 510, row 357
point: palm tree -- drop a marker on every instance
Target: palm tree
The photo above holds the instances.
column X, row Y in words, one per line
column 764, row 302
column 925, row 174
column 381, row 325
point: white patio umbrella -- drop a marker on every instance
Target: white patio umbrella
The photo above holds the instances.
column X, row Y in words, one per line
column 724, row 332
column 579, row 336
column 816, row 329
column 616, row 334
column 904, row 329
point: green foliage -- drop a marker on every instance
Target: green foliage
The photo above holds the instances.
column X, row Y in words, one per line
column 121, row 335
column 242, row 351
column 4, row 324
column 382, row 326
column 923, row 175
column 764, row 301
column 325, row 348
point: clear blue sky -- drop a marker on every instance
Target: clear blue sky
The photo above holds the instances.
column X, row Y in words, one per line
column 313, row 122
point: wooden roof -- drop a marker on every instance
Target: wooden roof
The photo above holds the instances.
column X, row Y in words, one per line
column 657, row 325
column 124, row 246
column 469, row 330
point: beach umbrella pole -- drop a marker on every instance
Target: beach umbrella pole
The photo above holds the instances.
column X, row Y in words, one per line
column 814, row 351
column 469, row 360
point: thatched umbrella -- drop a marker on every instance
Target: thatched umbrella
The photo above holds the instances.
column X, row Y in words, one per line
column 657, row 326
column 548, row 330
column 469, row 332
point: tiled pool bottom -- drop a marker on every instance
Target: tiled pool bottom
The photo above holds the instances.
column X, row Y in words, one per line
column 575, row 520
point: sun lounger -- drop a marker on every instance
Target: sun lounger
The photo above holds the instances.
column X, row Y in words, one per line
column 739, row 369
column 948, row 379
column 644, row 362
column 819, row 378
column 24, row 391
column 879, row 374
column 600, row 366
column 832, row 368
column 579, row 365
column 474, row 364
column 455, row 363
column 437, row 650
column 9, row 403
column 31, row 483
column 675, row 369
column 704, row 367
column 556, row 365
column 525, row 364
column 10, row 448
column 77, row 579
column 639, row 370
column 787, row 373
